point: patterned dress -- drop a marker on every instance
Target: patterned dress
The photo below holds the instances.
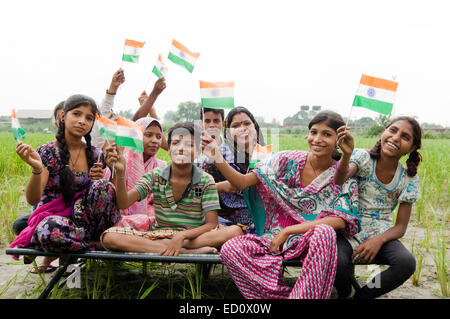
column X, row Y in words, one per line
column 377, row 201
column 93, row 210
column 249, row 260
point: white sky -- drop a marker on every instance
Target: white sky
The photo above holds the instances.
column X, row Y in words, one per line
column 281, row 54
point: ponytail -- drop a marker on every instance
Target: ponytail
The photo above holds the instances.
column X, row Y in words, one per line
column 376, row 150
column 412, row 162
column 66, row 180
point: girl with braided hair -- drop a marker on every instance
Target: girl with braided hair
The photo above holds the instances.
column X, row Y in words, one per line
column 383, row 183
column 73, row 205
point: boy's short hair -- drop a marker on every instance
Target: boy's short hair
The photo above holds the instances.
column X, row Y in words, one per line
column 216, row 111
column 185, row 128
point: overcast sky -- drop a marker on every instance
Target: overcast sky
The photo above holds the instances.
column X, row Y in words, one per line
column 281, row 54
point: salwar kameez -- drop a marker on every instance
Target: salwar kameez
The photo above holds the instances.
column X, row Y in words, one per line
column 255, row 269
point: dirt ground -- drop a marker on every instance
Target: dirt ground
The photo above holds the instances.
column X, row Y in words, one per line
column 16, row 281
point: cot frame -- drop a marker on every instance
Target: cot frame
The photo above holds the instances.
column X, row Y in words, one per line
column 65, row 259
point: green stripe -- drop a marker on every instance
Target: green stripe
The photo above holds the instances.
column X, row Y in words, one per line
column 177, row 60
column 157, row 72
column 136, row 145
column 18, row 133
column 218, row 103
column 374, row 105
column 130, row 58
column 107, row 134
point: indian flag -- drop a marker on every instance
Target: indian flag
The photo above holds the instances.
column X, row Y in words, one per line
column 160, row 69
column 129, row 134
column 217, row 95
column 18, row 132
column 107, row 127
column 181, row 55
column 376, row 94
column 260, row 153
column 131, row 51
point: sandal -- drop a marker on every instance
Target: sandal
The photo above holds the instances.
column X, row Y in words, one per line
column 43, row 269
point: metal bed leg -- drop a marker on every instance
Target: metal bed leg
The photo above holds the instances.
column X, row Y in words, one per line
column 65, row 261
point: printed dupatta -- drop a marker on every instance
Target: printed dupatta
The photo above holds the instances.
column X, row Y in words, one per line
column 287, row 202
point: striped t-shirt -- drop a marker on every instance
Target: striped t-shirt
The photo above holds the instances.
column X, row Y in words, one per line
column 199, row 197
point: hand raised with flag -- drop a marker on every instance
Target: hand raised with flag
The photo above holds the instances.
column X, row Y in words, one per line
column 344, row 140
column 159, row 86
column 117, row 79
column 29, row 156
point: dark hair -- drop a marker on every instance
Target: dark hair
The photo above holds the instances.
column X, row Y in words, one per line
column 215, row 111
column 183, row 128
column 58, row 107
column 229, row 119
column 66, row 178
column 414, row 158
column 331, row 119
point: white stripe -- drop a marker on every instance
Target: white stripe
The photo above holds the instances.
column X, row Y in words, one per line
column 161, row 67
column 187, row 57
column 217, row 92
column 128, row 50
column 379, row 94
column 15, row 123
column 126, row 131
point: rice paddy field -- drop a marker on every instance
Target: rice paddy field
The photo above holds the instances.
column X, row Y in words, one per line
column 427, row 238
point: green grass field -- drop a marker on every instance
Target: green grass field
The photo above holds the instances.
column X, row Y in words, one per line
column 431, row 212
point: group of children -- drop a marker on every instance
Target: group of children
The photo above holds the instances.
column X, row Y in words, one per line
column 328, row 209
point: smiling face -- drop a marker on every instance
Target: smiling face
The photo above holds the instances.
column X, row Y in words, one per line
column 152, row 140
column 321, row 139
column 242, row 130
column 182, row 149
column 397, row 139
column 78, row 121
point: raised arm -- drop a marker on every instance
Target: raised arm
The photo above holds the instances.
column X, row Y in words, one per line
column 345, row 169
column 147, row 106
column 238, row 180
column 39, row 176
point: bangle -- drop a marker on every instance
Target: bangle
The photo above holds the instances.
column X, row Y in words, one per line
column 110, row 93
column 36, row 173
column 340, row 172
column 120, row 177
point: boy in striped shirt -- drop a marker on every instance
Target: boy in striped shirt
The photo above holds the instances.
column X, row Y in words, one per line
column 185, row 199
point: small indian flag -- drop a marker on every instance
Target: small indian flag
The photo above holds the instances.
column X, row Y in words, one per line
column 131, row 51
column 160, row 69
column 217, row 95
column 181, row 55
column 18, row 132
column 260, row 153
column 376, row 94
column 107, row 127
column 129, row 134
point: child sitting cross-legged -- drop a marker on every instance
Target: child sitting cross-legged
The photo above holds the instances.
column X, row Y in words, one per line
column 185, row 199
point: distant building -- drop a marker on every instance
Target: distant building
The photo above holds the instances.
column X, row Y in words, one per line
column 304, row 107
column 316, row 107
column 34, row 114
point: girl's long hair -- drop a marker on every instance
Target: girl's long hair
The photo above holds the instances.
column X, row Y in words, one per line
column 414, row 158
column 66, row 176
